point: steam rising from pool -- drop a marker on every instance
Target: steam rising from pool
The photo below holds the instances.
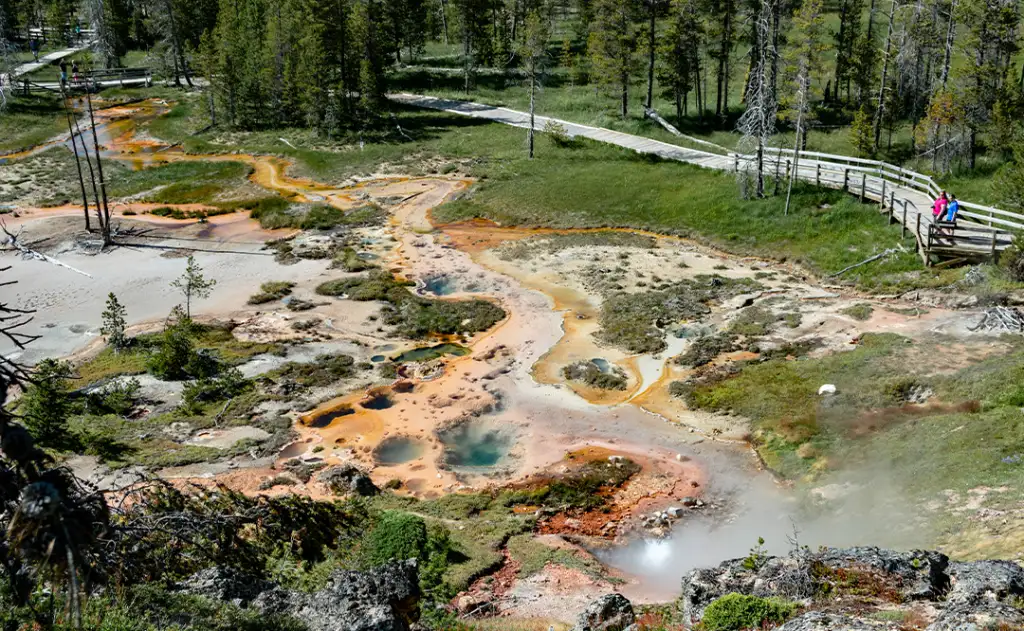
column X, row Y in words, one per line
column 870, row 514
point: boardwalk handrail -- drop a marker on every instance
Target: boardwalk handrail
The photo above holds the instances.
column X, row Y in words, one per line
column 894, row 176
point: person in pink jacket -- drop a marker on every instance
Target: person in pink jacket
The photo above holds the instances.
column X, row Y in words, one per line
column 939, row 207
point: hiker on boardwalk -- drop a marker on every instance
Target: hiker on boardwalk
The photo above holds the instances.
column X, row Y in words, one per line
column 63, row 73
column 953, row 209
column 34, row 46
column 939, row 207
column 74, row 74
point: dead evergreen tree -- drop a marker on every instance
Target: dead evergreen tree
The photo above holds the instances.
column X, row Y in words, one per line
column 757, row 124
column 532, row 50
column 880, row 102
column 69, row 116
column 103, row 210
column 805, row 61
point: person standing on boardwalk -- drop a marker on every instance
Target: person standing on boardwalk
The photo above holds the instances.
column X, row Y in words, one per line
column 34, row 46
column 939, row 207
column 953, row 209
column 63, row 73
column 74, row 74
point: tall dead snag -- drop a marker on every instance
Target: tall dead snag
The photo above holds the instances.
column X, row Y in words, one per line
column 757, row 124
column 78, row 164
column 804, row 63
column 104, row 210
column 880, row 104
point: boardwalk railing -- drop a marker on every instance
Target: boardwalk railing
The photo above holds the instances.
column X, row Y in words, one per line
column 904, row 195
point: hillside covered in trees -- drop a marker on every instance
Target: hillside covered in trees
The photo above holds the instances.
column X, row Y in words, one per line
column 934, row 81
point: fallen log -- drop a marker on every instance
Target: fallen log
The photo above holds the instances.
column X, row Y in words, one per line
column 12, row 240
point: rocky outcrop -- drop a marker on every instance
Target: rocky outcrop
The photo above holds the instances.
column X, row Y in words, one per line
column 383, row 599
column 348, row 479
column 840, row 588
column 611, row 612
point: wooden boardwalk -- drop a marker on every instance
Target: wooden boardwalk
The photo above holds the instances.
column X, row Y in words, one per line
column 903, row 196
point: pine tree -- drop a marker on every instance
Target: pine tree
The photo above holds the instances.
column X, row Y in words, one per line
column 722, row 29
column 612, row 46
column 46, row 403
column 861, row 134
column 114, row 323
column 991, row 42
column 680, row 54
column 193, row 284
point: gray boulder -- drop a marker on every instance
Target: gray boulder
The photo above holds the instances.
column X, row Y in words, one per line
column 382, row 599
column 821, row 621
column 225, row 584
column 611, row 612
column 982, row 581
column 347, row 479
column 978, row 617
column 915, row 575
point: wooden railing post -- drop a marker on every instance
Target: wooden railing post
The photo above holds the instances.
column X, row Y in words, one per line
column 903, row 226
column 994, row 254
column 863, row 187
column 846, row 180
column 817, row 175
column 736, row 165
column 881, row 198
column 789, row 165
column 918, row 229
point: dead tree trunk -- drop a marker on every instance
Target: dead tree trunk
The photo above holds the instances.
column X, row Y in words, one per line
column 78, row 164
column 880, row 109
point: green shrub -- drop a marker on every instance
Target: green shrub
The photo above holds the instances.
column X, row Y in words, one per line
column 118, row 397
column 228, row 384
column 274, row 290
column 323, row 371
column 734, row 612
column 397, row 536
column 704, row 350
column 176, row 357
column 348, row 260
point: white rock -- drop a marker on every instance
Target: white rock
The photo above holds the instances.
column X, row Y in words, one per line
column 675, row 512
column 827, row 389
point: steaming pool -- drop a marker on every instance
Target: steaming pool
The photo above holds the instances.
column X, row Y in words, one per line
column 475, row 445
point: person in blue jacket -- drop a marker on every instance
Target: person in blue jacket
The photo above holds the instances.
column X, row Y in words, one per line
column 952, row 209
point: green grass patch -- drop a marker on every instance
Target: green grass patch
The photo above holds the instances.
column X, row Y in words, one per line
column 28, row 121
column 860, row 311
column 635, row 321
column 190, row 182
column 586, row 371
column 533, row 556
column 323, row 371
column 214, row 338
column 411, row 315
column 271, row 291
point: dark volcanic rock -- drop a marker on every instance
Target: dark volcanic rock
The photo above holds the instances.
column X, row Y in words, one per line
column 225, row 584
column 913, row 575
column 611, row 612
column 985, row 581
column 821, row 621
column 383, row 599
column 345, row 479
